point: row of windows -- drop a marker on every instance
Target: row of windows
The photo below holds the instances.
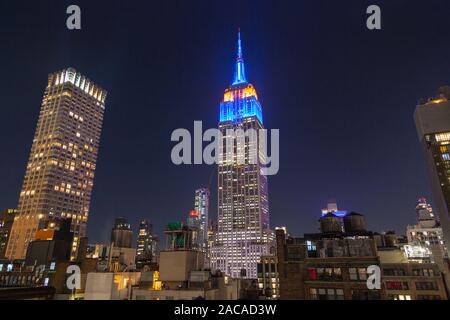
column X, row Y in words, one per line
column 335, row 274
column 338, row 294
column 403, row 285
column 400, row 272
column 326, row 294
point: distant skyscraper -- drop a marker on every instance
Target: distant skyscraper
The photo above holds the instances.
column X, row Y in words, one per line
column 244, row 233
column 332, row 207
column 60, row 173
column 425, row 213
column 193, row 222
column 122, row 235
column 427, row 233
column 432, row 119
column 6, row 222
column 201, row 206
column 146, row 244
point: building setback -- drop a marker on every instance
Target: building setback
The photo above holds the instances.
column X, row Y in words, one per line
column 60, row 172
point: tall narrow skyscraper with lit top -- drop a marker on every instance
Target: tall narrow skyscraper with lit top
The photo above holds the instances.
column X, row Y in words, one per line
column 243, row 234
column 201, row 207
column 60, row 173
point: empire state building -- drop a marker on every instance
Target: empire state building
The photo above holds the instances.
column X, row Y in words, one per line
column 243, row 234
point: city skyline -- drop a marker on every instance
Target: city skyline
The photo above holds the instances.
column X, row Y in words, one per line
column 294, row 202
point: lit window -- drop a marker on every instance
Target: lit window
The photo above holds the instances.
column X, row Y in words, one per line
column 442, row 136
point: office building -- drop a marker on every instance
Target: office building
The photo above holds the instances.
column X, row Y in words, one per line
column 268, row 277
column 6, row 222
column 146, row 245
column 201, row 206
column 325, row 268
column 51, row 243
column 433, row 128
column 334, row 264
column 194, row 225
column 331, row 264
column 405, row 279
column 60, row 172
column 121, row 234
column 244, row 233
column 425, row 214
column 425, row 239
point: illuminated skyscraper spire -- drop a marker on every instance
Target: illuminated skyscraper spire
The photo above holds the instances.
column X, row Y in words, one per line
column 239, row 75
column 243, row 232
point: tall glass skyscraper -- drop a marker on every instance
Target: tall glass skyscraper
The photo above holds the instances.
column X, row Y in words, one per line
column 201, row 206
column 60, row 173
column 243, row 234
column 432, row 117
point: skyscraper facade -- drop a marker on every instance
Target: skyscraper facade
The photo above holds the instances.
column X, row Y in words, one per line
column 427, row 233
column 424, row 212
column 432, row 117
column 60, row 172
column 243, row 234
column 193, row 223
column 121, row 234
column 146, row 244
column 6, row 222
column 201, row 206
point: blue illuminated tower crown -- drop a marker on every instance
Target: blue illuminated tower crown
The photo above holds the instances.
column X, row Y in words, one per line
column 240, row 99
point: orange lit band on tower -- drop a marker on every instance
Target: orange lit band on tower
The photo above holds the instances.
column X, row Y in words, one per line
column 240, row 99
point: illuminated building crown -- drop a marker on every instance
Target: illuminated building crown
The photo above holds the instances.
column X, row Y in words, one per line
column 240, row 99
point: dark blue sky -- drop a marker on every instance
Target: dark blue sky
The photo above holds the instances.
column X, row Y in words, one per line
column 341, row 95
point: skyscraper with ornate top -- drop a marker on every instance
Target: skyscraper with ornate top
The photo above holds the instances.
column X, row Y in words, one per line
column 243, row 234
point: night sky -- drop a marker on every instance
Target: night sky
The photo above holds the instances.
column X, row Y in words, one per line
column 342, row 96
